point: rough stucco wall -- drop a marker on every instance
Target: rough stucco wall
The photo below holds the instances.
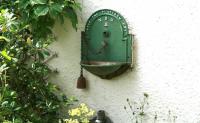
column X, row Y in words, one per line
column 166, row 59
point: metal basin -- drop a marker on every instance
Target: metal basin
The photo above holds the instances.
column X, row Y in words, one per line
column 102, row 68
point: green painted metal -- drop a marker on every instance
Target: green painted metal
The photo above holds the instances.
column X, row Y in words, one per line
column 106, row 41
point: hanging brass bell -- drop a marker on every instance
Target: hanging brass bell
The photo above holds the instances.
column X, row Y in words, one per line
column 81, row 82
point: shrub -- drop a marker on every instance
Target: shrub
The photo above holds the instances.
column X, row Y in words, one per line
column 26, row 95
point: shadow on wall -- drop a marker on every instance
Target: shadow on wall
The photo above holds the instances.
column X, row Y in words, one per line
column 132, row 72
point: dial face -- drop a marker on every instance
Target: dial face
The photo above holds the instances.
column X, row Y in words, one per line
column 106, row 34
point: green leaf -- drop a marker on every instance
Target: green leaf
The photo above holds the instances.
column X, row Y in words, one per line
column 71, row 14
column 46, row 53
column 23, row 3
column 3, row 68
column 18, row 120
column 5, row 55
column 2, row 38
column 12, row 93
column 41, row 10
column 12, row 104
column 17, row 109
column 2, row 19
column 4, row 103
column 41, row 55
column 56, row 7
column 33, row 2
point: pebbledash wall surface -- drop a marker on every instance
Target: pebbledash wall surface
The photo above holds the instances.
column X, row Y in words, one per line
column 166, row 65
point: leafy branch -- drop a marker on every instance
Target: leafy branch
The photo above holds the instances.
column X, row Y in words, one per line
column 26, row 95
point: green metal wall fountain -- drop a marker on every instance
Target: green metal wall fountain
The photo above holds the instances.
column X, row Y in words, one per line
column 106, row 45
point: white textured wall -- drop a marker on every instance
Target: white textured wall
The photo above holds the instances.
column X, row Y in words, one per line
column 167, row 65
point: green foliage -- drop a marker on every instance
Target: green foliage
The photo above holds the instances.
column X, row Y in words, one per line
column 26, row 95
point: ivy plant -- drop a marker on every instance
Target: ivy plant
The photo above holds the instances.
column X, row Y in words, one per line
column 26, row 95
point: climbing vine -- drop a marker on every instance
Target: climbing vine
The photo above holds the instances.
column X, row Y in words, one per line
column 26, row 95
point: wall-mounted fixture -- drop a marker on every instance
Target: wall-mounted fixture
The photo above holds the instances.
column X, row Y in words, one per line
column 106, row 45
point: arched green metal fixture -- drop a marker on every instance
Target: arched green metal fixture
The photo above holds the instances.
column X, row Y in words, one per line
column 106, row 45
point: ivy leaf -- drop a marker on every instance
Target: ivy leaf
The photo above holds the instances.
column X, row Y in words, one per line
column 56, row 7
column 41, row 10
column 71, row 14
column 33, row 2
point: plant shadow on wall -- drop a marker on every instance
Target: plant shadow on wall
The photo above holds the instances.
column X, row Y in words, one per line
column 137, row 112
column 26, row 94
column 134, row 57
